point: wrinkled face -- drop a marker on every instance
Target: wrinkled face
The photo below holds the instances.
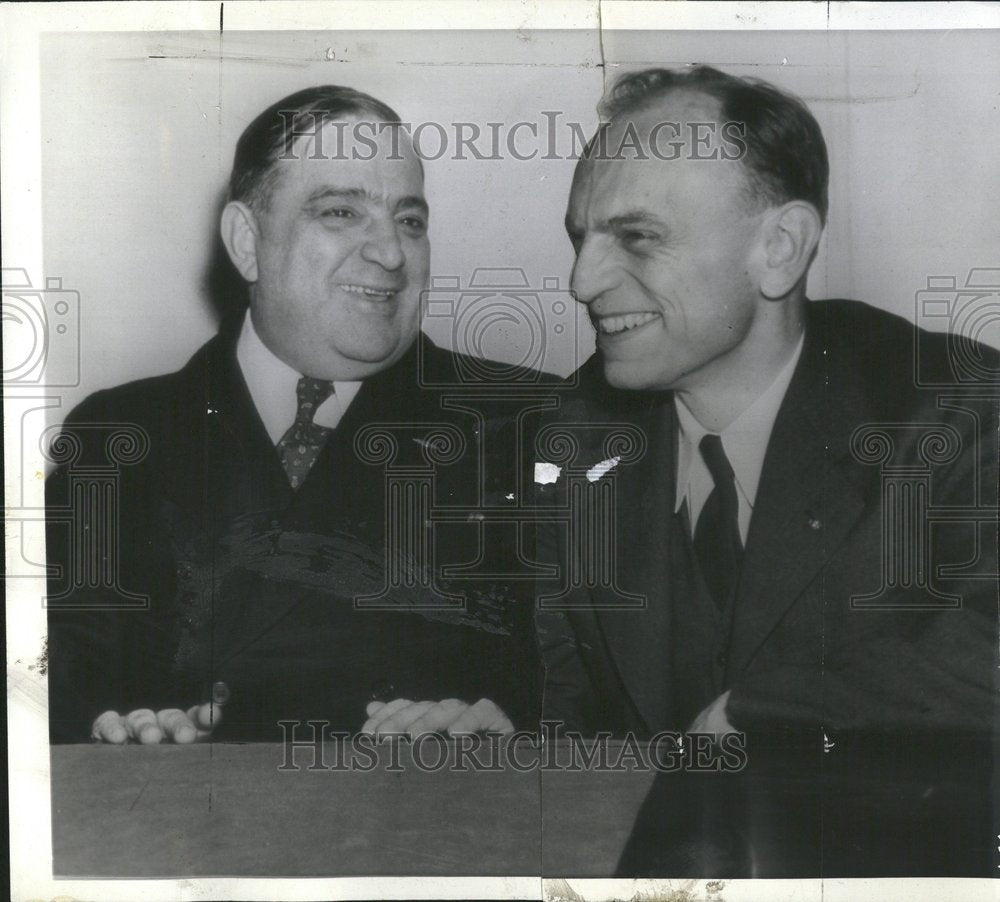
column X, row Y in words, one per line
column 342, row 256
column 665, row 256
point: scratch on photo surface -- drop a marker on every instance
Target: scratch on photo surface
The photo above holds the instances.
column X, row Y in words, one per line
column 42, row 661
column 135, row 801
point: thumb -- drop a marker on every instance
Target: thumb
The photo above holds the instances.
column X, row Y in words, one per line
column 205, row 717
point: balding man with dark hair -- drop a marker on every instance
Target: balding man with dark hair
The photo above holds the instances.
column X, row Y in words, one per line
column 258, row 524
column 771, row 580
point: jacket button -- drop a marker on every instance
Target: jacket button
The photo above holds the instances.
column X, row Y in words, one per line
column 220, row 693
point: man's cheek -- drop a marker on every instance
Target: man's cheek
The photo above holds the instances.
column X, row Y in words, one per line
column 319, row 256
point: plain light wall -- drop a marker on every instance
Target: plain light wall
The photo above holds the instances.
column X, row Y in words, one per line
column 138, row 132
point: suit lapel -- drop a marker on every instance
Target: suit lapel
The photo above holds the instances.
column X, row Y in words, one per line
column 237, row 437
column 810, row 495
column 222, row 491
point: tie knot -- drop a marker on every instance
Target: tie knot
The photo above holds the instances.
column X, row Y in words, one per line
column 715, row 459
column 311, row 393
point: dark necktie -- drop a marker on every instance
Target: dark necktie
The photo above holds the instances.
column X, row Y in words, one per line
column 300, row 445
column 717, row 543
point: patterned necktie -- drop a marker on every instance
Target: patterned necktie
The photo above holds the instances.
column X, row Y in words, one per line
column 300, row 445
column 717, row 543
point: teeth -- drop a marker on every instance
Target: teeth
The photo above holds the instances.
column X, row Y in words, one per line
column 609, row 325
column 368, row 292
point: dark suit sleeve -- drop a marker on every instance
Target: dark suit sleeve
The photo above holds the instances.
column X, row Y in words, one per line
column 565, row 682
column 941, row 678
column 580, row 688
column 566, row 685
column 106, row 650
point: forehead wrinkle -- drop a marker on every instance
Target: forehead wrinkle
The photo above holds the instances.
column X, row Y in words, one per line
column 337, row 143
column 610, row 194
column 665, row 192
column 619, row 201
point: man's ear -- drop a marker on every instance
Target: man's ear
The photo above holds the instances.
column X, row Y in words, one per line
column 791, row 236
column 240, row 235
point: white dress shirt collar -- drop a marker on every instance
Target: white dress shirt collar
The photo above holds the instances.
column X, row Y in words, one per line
column 744, row 441
column 273, row 386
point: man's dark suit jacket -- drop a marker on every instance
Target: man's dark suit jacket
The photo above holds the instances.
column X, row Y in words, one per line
column 253, row 584
column 865, row 693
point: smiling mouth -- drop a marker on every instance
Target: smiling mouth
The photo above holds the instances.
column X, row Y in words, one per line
column 367, row 291
column 616, row 325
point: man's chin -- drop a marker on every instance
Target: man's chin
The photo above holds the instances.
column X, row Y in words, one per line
column 631, row 375
column 361, row 362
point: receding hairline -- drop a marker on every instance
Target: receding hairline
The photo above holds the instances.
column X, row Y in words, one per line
column 643, row 111
column 655, row 109
column 644, row 106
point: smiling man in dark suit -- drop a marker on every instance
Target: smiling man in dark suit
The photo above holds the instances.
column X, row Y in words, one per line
column 777, row 571
column 252, row 565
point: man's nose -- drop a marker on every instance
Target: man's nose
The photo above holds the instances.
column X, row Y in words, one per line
column 384, row 247
column 593, row 272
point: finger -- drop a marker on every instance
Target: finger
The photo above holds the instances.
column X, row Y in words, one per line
column 142, row 726
column 382, row 712
column 373, row 707
column 387, row 710
column 401, row 720
column 110, row 727
column 438, row 718
column 483, row 716
column 176, row 726
column 205, row 718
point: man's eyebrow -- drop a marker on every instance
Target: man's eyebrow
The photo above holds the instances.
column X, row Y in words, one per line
column 413, row 202
column 331, row 192
column 623, row 220
column 633, row 217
